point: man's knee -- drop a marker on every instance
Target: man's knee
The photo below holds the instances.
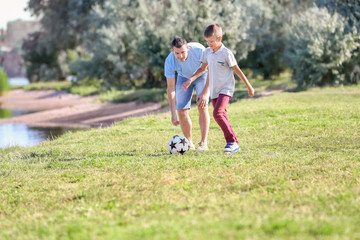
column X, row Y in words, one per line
column 183, row 112
column 203, row 109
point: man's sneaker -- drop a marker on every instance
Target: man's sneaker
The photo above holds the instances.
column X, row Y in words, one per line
column 192, row 146
column 231, row 148
column 202, row 147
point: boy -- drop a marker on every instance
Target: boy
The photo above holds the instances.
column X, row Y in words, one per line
column 185, row 59
column 222, row 64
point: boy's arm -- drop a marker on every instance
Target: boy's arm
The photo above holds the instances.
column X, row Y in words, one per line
column 171, row 97
column 198, row 73
column 242, row 76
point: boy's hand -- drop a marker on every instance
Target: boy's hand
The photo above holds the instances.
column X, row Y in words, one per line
column 186, row 84
column 251, row 91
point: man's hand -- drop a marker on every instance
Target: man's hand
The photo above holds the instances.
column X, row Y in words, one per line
column 186, row 84
column 202, row 100
column 174, row 120
column 251, row 91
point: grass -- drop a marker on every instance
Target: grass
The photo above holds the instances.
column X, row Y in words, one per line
column 54, row 85
column 112, row 95
column 4, row 83
column 143, row 95
column 296, row 177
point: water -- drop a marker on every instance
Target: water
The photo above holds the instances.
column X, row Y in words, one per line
column 26, row 136
column 21, row 134
column 18, row 81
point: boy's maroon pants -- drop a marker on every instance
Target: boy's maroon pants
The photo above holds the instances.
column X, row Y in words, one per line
column 221, row 117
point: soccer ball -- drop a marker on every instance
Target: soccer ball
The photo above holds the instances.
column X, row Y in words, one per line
column 178, row 144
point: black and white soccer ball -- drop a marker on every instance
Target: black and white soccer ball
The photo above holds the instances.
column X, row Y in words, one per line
column 178, row 144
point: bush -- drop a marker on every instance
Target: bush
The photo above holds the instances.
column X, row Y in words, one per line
column 54, row 85
column 4, row 83
column 5, row 113
column 321, row 48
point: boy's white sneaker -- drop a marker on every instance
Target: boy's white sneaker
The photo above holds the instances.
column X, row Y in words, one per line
column 192, row 146
column 202, row 147
column 231, row 148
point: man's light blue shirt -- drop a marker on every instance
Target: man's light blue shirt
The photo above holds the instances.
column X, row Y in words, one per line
column 187, row 68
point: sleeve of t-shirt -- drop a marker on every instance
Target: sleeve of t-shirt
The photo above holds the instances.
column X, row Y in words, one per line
column 230, row 59
column 169, row 71
column 204, row 57
column 199, row 53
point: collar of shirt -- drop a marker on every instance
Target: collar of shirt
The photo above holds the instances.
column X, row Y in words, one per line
column 219, row 50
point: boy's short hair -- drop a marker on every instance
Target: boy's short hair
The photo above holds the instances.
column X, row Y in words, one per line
column 213, row 30
column 178, row 42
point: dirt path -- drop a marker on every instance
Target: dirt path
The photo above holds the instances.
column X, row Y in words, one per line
column 58, row 108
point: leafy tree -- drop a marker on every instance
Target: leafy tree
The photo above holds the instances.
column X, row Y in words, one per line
column 130, row 42
column 350, row 10
column 63, row 22
column 268, row 33
column 134, row 37
column 40, row 62
column 318, row 52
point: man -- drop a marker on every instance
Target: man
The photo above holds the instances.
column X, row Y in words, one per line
column 185, row 59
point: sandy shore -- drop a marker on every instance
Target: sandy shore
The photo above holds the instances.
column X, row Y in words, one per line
column 58, row 108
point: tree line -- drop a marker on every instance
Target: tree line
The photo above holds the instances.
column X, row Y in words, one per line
column 123, row 43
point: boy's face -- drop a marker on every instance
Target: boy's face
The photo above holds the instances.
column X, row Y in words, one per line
column 182, row 53
column 214, row 42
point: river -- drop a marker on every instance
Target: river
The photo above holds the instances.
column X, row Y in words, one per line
column 21, row 134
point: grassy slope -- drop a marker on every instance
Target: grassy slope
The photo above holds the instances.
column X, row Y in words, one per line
column 297, row 177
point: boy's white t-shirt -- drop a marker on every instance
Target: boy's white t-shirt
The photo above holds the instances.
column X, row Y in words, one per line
column 221, row 74
column 188, row 68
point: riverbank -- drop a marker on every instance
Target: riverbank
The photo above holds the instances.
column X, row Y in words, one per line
column 60, row 109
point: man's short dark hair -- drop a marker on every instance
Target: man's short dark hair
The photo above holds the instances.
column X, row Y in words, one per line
column 178, row 42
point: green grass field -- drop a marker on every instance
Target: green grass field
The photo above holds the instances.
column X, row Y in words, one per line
column 296, row 177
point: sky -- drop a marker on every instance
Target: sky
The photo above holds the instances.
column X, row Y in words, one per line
column 11, row 10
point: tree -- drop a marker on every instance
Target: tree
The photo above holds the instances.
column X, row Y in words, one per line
column 318, row 52
column 40, row 62
column 135, row 36
column 268, row 33
column 350, row 10
column 131, row 42
column 63, row 22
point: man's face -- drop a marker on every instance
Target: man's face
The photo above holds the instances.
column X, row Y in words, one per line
column 213, row 42
column 182, row 53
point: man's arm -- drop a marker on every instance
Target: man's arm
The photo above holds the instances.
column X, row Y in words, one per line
column 242, row 76
column 203, row 97
column 172, row 97
column 202, row 69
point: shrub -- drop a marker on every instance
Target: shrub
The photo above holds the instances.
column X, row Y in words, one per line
column 4, row 83
column 320, row 48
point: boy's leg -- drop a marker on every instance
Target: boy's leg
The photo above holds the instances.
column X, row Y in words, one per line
column 221, row 117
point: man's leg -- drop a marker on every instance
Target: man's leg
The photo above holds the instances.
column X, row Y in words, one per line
column 204, row 116
column 186, row 125
column 183, row 103
column 204, row 122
